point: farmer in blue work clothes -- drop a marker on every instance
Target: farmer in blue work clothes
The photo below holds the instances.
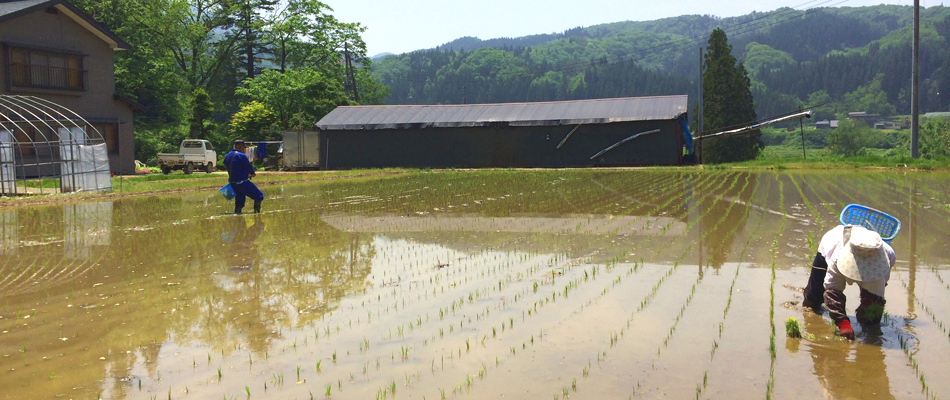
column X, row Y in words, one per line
column 240, row 172
column 850, row 254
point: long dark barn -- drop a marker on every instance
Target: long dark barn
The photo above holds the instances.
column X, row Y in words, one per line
column 579, row 133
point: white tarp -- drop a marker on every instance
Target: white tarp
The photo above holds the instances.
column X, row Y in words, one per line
column 7, row 158
column 68, row 140
column 89, row 171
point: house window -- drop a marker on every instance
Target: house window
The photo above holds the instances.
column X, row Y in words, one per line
column 46, row 69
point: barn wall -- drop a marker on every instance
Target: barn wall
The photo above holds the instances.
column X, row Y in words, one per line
column 501, row 146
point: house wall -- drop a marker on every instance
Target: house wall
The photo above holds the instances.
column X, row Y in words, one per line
column 58, row 32
column 501, row 146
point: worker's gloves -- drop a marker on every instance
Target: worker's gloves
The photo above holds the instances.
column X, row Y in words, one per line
column 844, row 329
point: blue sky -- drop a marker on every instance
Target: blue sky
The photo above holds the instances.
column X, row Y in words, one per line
column 398, row 26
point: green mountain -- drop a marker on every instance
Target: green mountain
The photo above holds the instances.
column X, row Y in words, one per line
column 853, row 57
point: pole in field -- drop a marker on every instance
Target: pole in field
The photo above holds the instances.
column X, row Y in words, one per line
column 801, row 124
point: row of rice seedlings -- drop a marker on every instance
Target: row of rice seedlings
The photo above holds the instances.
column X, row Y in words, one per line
column 930, row 313
column 773, row 253
column 700, row 387
column 573, row 285
column 699, row 279
column 661, row 183
column 817, row 184
column 481, row 373
column 909, row 345
column 659, row 284
column 936, row 272
column 812, row 245
column 927, row 193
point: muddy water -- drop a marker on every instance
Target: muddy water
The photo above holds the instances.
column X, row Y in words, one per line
column 548, row 284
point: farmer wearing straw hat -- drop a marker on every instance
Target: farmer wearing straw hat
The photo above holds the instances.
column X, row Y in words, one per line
column 240, row 172
column 850, row 254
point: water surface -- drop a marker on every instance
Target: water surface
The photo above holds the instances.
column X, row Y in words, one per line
column 478, row 284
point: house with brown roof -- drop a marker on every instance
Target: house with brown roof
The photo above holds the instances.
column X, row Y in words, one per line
column 55, row 51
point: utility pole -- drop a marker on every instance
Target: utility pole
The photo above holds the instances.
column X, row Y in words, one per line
column 801, row 124
column 699, row 129
column 915, row 87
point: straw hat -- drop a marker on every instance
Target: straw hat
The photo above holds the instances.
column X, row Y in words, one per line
column 863, row 257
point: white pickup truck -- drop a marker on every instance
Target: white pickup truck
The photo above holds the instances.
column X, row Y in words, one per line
column 193, row 154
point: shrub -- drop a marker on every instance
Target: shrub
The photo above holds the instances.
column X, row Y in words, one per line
column 852, row 138
column 935, row 138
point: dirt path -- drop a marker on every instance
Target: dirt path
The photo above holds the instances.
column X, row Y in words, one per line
column 73, row 198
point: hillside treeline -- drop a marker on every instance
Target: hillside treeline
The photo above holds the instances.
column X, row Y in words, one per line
column 853, row 59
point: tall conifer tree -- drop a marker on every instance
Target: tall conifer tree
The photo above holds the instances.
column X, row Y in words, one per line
column 727, row 102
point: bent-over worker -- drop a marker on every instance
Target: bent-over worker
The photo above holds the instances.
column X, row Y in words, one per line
column 240, row 172
column 850, row 254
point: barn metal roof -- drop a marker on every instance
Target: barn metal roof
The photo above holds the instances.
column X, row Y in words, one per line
column 597, row 111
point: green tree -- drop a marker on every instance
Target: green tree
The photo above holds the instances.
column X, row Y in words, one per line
column 761, row 57
column 255, row 121
column 303, row 33
column 372, row 91
column 852, row 138
column 870, row 98
column 249, row 18
column 825, row 109
column 727, row 102
column 298, row 97
column 201, row 110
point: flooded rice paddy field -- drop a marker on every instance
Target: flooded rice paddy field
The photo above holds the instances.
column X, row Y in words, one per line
column 522, row 284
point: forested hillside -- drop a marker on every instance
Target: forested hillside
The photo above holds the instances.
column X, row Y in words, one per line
column 852, row 58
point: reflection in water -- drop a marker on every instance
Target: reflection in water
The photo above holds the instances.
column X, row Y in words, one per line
column 912, row 267
column 85, row 225
column 847, row 371
column 242, row 254
column 569, row 224
column 8, row 233
column 724, row 214
column 170, row 289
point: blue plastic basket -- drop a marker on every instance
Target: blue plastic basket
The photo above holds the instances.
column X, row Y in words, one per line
column 228, row 192
column 875, row 220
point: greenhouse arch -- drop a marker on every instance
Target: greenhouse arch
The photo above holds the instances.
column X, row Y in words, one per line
column 47, row 148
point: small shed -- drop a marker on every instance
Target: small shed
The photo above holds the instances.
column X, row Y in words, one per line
column 634, row 131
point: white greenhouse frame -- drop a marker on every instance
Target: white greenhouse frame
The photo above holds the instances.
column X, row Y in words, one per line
column 60, row 147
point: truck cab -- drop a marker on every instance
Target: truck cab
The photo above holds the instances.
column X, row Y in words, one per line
column 192, row 154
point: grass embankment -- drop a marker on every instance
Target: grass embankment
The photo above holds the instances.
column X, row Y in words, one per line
column 782, row 157
column 774, row 157
column 144, row 185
